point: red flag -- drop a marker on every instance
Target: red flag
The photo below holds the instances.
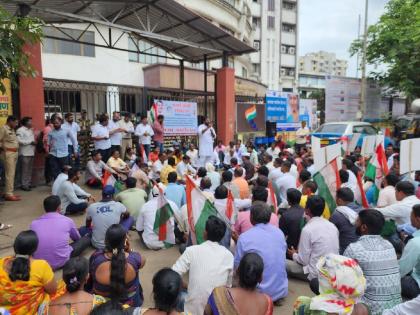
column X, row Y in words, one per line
column 365, row 203
column 230, row 205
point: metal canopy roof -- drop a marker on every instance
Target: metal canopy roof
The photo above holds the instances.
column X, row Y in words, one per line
column 165, row 23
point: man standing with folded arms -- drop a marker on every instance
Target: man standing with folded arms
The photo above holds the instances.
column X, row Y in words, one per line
column 9, row 147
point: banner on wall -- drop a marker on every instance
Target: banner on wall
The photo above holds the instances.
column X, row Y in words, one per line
column 180, row 117
column 5, row 102
column 307, row 111
column 342, row 98
column 250, row 117
column 283, row 108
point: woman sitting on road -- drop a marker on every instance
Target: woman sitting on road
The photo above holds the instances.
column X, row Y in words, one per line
column 75, row 301
column 114, row 272
column 167, row 287
column 244, row 300
column 25, row 283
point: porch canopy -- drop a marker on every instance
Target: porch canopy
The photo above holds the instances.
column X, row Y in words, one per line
column 183, row 34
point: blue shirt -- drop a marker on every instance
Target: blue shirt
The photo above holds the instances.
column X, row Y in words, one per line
column 410, row 259
column 176, row 193
column 273, row 253
column 57, row 140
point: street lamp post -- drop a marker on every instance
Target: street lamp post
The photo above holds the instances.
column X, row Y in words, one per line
column 363, row 83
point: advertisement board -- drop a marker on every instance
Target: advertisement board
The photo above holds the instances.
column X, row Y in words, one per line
column 342, row 98
column 180, row 117
column 307, row 112
column 283, row 108
column 250, row 117
column 5, row 102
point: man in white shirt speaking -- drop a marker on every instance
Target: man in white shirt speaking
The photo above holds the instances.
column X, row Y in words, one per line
column 206, row 136
column 301, row 135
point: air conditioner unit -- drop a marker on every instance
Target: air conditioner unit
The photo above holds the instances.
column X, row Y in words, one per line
column 283, row 72
column 292, row 50
column 283, row 49
column 257, row 45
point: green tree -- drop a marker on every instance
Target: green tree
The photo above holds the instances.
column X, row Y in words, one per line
column 15, row 32
column 395, row 42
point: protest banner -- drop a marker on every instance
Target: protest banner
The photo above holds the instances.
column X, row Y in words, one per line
column 409, row 155
column 368, row 145
column 315, row 143
column 180, row 117
column 325, row 155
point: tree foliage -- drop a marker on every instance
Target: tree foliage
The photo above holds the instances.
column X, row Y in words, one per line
column 15, row 32
column 395, row 42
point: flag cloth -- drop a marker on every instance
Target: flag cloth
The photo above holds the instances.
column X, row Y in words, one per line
column 143, row 153
column 230, row 205
column 152, row 114
column 272, row 200
column 162, row 220
column 108, row 179
column 365, row 203
column 251, row 113
column 199, row 210
column 328, row 181
column 377, row 169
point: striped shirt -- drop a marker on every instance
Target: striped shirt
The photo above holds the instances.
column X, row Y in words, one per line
column 378, row 260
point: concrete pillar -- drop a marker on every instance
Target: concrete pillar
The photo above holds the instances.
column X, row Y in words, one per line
column 31, row 89
column 31, row 103
column 226, row 114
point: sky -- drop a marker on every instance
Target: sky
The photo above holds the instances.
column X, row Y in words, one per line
column 331, row 25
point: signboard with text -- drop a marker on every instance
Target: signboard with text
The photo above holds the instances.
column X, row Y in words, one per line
column 283, row 108
column 342, row 98
column 5, row 103
column 180, row 117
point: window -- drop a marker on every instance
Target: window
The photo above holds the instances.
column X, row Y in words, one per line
column 256, row 68
column 367, row 130
column 332, row 128
column 257, row 44
column 271, row 22
column 289, row 6
column 244, row 72
column 271, row 6
column 289, row 28
column 62, row 101
column 256, row 22
column 146, row 47
column 56, row 46
column 127, row 102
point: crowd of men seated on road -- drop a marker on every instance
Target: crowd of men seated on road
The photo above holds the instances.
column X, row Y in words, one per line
column 355, row 259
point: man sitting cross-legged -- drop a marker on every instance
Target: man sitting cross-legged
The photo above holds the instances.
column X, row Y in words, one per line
column 54, row 231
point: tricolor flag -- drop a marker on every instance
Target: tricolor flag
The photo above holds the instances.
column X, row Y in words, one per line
column 143, row 154
column 163, row 223
column 250, row 115
column 377, row 168
column 152, row 113
column 108, row 179
column 328, row 181
column 230, row 206
column 272, row 200
column 365, row 203
column 199, row 210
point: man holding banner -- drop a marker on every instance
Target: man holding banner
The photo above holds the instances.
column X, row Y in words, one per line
column 206, row 136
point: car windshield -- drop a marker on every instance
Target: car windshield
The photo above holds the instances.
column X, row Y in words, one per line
column 402, row 123
column 332, row 128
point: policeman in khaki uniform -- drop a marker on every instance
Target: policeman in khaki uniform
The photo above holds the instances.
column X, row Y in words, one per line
column 9, row 150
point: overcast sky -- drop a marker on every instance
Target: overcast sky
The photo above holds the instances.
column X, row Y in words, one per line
column 331, row 25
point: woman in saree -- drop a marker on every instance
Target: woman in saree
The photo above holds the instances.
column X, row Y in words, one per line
column 341, row 285
column 245, row 299
column 25, row 282
column 75, row 301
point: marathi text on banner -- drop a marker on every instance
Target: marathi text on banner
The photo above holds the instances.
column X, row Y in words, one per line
column 180, row 117
column 5, row 102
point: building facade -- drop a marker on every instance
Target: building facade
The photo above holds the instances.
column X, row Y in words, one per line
column 275, row 25
column 322, row 62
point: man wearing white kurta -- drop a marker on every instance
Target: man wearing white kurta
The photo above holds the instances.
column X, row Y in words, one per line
column 145, row 132
column 206, row 135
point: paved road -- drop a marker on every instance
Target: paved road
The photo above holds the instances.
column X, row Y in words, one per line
column 20, row 214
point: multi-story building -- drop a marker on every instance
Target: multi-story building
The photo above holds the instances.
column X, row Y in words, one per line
column 276, row 38
column 322, row 62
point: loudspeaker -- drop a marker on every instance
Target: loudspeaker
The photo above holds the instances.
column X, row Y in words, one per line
column 270, row 129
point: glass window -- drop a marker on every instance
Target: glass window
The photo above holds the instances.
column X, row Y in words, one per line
column 147, row 48
column 57, row 46
column 271, row 22
column 369, row 130
column 271, row 6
